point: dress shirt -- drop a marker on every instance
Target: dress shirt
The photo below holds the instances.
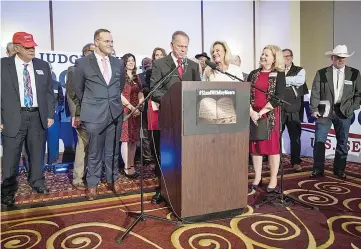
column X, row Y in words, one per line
column 19, row 64
column 100, row 64
column 338, row 90
column 297, row 80
column 175, row 59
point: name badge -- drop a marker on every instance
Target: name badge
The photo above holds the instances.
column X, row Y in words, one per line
column 273, row 74
column 56, row 91
column 40, row 72
column 348, row 82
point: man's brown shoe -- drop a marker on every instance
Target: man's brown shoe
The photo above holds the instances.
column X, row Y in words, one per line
column 117, row 187
column 297, row 168
column 109, row 186
column 91, row 194
column 80, row 186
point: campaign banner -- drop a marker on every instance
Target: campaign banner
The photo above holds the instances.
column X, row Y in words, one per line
column 308, row 136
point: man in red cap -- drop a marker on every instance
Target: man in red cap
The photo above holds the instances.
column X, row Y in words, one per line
column 28, row 107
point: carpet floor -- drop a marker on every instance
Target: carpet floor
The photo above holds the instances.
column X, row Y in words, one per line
column 96, row 224
column 62, row 191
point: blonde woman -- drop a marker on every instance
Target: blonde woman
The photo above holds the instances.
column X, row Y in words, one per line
column 221, row 55
column 269, row 77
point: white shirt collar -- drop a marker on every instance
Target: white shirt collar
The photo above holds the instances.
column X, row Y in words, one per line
column 175, row 59
column 342, row 70
column 20, row 61
column 99, row 57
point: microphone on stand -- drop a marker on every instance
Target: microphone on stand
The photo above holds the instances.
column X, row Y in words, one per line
column 185, row 63
column 215, row 67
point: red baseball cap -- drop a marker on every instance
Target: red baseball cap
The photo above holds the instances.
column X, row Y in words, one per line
column 24, row 39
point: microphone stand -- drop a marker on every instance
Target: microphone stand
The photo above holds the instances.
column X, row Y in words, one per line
column 142, row 215
column 280, row 197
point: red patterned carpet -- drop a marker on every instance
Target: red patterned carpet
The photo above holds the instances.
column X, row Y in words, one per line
column 96, row 224
column 61, row 190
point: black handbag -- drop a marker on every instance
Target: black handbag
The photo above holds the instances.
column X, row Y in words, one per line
column 260, row 131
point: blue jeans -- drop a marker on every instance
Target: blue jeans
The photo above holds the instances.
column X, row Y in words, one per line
column 341, row 125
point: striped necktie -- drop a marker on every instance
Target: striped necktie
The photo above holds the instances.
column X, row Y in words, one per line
column 28, row 91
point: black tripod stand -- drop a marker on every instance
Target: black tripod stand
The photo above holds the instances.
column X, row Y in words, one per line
column 281, row 196
column 142, row 215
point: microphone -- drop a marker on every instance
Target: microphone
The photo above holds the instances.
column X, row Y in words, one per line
column 185, row 61
column 213, row 66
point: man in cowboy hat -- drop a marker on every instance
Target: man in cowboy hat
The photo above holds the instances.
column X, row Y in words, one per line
column 202, row 60
column 335, row 95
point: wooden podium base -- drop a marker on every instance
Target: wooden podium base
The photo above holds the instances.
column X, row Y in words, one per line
column 215, row 216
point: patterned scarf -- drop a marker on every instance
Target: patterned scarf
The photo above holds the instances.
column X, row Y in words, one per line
column 271, row 90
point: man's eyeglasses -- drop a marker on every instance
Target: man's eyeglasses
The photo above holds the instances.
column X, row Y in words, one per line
column 106, row 41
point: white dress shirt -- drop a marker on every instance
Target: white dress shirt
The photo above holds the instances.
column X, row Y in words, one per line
column 19, row 64
column 297, row 80
column 338, row 89
column 232, row 69
column 175, row 59
column 100, row 64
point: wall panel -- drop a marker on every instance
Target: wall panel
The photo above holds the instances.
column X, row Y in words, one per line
column 137, row 27
column 230, row 21
column 16, row 17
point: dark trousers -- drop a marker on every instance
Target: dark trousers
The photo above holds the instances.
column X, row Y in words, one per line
column 293, row 123
column 99, row 146
column 341, row 125
column 147, row 152
column 32, row 133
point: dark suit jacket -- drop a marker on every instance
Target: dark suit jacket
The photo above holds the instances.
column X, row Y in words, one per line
column 145, row 80
column 165, row 65
column 323, row 89
column 96, row 97
column 73, row 101
column 10, row 96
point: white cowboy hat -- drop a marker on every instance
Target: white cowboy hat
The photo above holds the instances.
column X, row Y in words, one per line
column 339, row 50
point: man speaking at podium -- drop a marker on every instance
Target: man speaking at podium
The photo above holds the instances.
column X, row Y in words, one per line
column 187, row 71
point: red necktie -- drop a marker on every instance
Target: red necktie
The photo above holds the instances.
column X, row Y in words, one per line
column 180, row 68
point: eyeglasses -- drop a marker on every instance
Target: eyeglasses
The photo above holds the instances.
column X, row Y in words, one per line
column 106, row 41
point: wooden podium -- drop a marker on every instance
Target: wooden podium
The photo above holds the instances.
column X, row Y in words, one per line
column 204, row 156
